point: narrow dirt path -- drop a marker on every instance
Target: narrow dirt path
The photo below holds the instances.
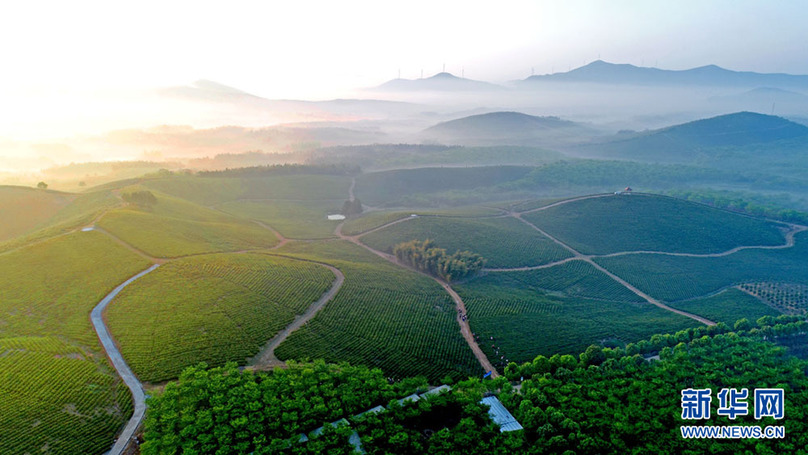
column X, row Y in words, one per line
column 789, row 237
column 266, row 357
column 588, row 259
column 281, row 239
column 129, row 247
column 465, row 329
column 115, row 357
column 533, row 267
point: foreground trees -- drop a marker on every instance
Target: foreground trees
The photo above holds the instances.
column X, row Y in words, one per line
column 603, row 401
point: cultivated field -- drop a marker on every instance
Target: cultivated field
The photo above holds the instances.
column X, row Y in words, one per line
column 503, row 242
column 212, row 308
column 59, row 393
column 652, row 223
column 383, row 316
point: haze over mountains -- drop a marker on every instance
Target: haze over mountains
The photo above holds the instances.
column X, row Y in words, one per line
column 596, row 99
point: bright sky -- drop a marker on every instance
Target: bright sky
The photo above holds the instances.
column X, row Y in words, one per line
column 69, row 65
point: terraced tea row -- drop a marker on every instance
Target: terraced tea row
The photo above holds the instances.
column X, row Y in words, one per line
column 55, row 400
column 59, row 394
column 383, row 316
column 504, row 242
column 173, row 227
column 789, row 298
column 673, row 278
column 603, row 225
column 516, row 324
column 727, row 306
column 372, row 220
column 211, row 309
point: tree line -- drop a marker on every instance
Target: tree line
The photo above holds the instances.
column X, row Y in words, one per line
column 285, row 169
column 428, row 258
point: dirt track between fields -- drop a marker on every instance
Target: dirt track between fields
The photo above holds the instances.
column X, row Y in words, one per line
column 266, row 357
column 465, row 329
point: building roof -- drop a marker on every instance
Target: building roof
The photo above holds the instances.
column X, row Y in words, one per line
column 414, row 397
column 500, row 415
column 375, row 410
column 436, row 390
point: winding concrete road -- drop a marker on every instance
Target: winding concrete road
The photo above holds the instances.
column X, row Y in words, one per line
column 114, row 355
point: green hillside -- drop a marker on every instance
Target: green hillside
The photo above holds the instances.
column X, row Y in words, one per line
column 412, row 187
column 30, row 214
column 503, row 242
column 687, row 141
column 638, row 222
column 673, row 278
column 173, row 227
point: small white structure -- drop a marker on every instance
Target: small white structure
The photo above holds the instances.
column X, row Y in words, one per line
column 336, row 217
column 88, row 229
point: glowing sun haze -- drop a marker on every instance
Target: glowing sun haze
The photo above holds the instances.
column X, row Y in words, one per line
column 78, row 67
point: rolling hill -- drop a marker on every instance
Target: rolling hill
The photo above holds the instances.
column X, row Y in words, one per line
column 683, row 143
column 508, row 128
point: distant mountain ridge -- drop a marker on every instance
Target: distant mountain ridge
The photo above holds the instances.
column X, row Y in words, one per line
column 611, row 73
column 439, row 82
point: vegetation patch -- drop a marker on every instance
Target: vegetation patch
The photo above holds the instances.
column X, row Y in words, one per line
column 428, row 258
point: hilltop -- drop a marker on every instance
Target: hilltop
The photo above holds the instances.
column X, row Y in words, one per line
column 439, row 82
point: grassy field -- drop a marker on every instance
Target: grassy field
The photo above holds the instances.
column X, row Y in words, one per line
column 727, row 306
column 516, row 324
column 571, row 279
column 407, row 186
column 293, row 219
column 216, row 190
column 384, row 316
column 372, row 220
column 59, row 393
column 212, row 308
column 673, row 278
column 503, row 242
column 651, row 223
